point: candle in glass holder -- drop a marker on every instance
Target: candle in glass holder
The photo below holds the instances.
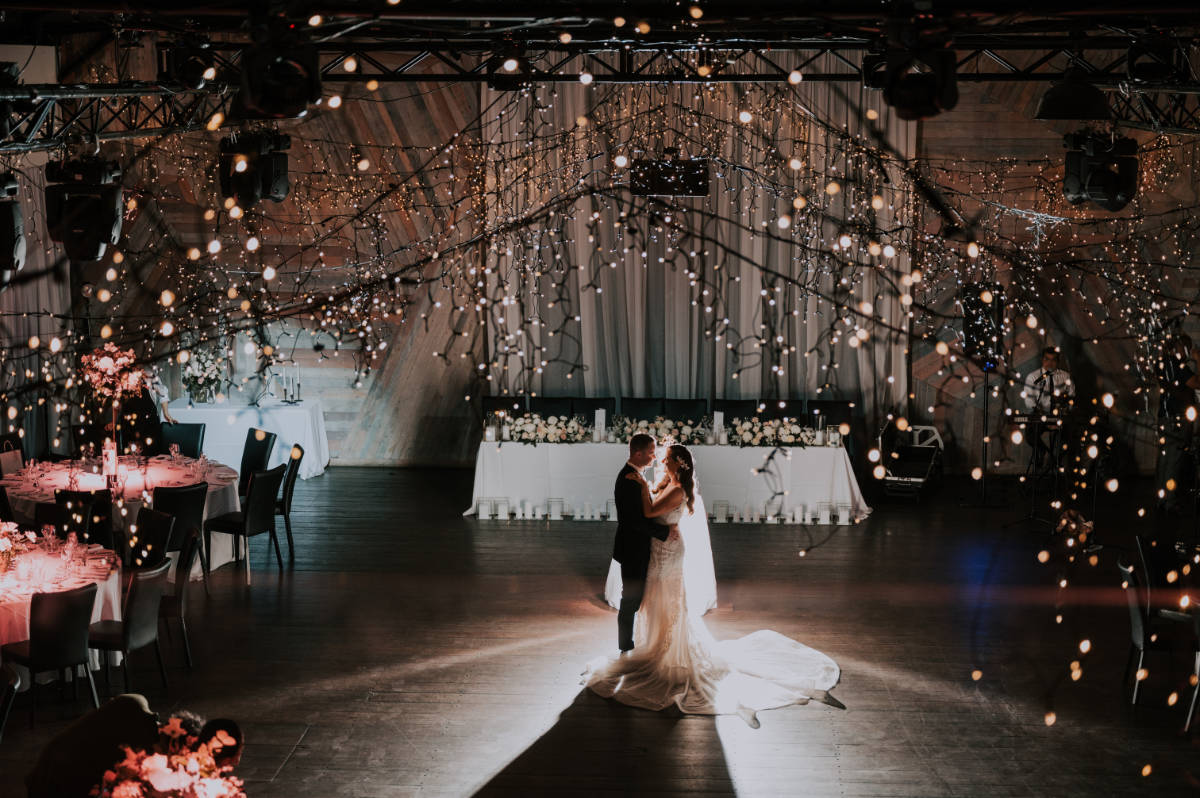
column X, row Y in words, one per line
column 109, row 465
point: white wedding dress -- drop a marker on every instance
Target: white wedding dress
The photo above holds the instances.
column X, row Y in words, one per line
column 677, row 661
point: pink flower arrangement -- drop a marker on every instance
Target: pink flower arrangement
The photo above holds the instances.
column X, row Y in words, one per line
column 111, row 372
column 180, row 766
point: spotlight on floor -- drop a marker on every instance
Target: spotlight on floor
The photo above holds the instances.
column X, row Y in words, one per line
column 84, row 206
column 1100, row 169
column 1073, row 98
column 12, row 230
column 254, row 167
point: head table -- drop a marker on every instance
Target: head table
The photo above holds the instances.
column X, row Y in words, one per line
column 52, row 569
column 36, row 484
column 816, row 481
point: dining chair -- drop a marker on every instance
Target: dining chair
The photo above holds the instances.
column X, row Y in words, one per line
column 190, row 438
column 148, row 539
column 1147, row 631
column 88, row 514
column 10, row 684
column 58, row 639
column 186, row 503
column 139, row 625
column 6, row 510
column 257, row 516
column 12, row 456
column 283, row 505
column 86, row 436
column 174, row 604
column 256, row 454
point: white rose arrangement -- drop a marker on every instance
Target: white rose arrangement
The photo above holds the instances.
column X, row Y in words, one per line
column 768, row 432
column 688, row 431
column 532, row 428
column 204, row 372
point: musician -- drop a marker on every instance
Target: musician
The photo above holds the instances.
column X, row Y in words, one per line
column 1178, row 381
column 1048, row 392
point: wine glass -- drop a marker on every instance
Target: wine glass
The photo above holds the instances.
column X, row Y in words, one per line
column 174, row 449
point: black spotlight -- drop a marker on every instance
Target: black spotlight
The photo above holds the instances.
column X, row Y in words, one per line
column 983, row 322
column 920, row 83
column 83, row 206
column 509, row 70
column 1099, row 169
column 191, row 65
column 279, row 81
column 1156, row 60
column 1073, row 98
column 254, row 167
column 12, row 230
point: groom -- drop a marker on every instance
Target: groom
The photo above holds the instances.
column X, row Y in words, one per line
column 634, row 530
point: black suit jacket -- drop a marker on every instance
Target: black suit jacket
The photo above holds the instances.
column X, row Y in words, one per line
column 631, row 547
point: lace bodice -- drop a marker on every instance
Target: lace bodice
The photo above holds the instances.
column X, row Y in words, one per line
column 673, row 516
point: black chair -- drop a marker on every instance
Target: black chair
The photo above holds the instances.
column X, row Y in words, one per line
column 1147, row 633
column 139, row 625
column 256, row 454
column 190, row 438
column 829, row 411
column 510, row 405
column 58, row 639
column 587, row 407
column 12, row 441
column 186, row 503
column 638, row 409
column 148, row 543
column 49, row 514
column 546, row 406
column 257, row 516
column 283, row 505
column 736, row 408
column 685, row 409
column 94, row 525
column 86, row 436
column 174, row 604
column 6, row 510
column 10, row 684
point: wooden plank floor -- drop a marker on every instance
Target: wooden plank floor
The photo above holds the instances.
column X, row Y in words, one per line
column 411, row 652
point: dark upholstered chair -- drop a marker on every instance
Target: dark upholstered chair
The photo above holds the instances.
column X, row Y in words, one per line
column 1147, row 632
column 283, row 505
column 6, row 510
column 139, row 625
column 685, row 409
column 257, row 516
column 148, row 545
column 648, row 409
column 190, row 438
column 546, row 406
column 186, row 503
column 174, row 604
column 87, row 513
column 58, row 638
column 256, row 454
column 587, row 407
column 10, row 683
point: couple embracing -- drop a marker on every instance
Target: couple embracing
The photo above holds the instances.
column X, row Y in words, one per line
column 667, row 654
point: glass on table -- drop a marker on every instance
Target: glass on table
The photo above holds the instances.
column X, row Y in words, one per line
column 174, row 450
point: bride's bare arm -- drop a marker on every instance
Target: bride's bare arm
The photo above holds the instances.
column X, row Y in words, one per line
column 653, row 507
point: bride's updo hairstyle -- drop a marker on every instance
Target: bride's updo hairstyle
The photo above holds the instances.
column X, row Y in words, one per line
column 685, row 473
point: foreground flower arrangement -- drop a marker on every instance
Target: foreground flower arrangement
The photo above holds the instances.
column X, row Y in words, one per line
column 179, row 766
column 111, row 372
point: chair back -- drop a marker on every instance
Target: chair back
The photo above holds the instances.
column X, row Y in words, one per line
column 685, row 409
column 12, row 457
column 85, row 436
column 186, row 503
column 641, row 409
column 1138, row 612
column 256, row 453
column 290, row 475
column 190, row 438
column 94, row 524
column 10, row 684
column 6, row 510
column 261, row 493
column 58, row 628
column 140, row 617
column 148, row 544
column 49, row 514
column 184, row 564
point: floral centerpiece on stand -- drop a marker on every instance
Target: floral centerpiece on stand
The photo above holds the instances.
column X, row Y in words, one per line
column 768, row 432
column 112, row 373
column 178, row 766
column 203, row 374
column 532, row 428
column 687, row 431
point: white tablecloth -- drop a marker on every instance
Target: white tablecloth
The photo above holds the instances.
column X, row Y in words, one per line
column 226, row 426
column 222, row 493
column 47, row 575
column 584, row 473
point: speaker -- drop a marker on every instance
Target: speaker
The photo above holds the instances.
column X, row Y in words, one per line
column 983, row 322
column 85, row 218
column 12, row 230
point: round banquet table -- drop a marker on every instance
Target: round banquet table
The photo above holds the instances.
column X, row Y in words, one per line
column 39, row 571
column 33, row 486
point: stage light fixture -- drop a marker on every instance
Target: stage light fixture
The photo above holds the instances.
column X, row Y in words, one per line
column 1100, row 169
column 12, row 230
column 281, row 77
column 1073, row 98
column 253, row 167
column 190, row 65
column 921, row 82
column 509, row 70
column 1156, row 60
column 84, row 206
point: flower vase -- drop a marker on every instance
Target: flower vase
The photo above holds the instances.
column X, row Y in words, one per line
column 201, row 396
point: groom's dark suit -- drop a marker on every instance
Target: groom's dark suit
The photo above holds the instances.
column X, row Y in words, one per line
column 631, row 548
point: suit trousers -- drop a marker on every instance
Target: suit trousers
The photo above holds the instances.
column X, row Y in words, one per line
column 633, row 587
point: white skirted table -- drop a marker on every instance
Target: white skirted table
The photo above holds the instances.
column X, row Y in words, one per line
column 35, row 485
column 226, row 425
column 816, row 482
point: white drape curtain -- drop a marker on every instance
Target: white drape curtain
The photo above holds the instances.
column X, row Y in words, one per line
column 641, row 324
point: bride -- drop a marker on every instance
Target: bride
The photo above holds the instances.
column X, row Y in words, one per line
column 675, row 659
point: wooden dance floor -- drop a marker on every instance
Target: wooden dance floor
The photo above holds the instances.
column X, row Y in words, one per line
column 411, row 652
